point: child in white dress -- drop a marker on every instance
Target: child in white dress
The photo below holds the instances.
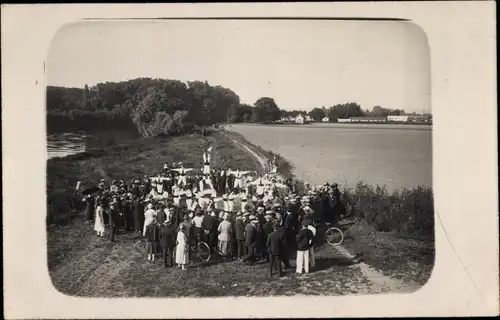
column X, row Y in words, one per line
column 99, row 220
column 181, row 251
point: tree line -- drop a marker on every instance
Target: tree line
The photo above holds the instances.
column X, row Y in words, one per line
column 164, row 107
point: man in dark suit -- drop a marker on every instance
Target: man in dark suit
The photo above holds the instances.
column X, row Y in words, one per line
column 161, row 215
column 275, row 247
column 250, row 240
column 167, row 242
column 285, row 255
column 114, row 221
column 239, row 229
column 209, row 225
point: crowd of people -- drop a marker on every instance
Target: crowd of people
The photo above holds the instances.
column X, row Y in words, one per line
column 239, row 214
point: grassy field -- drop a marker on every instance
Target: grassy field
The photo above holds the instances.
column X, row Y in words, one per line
column 81, row 264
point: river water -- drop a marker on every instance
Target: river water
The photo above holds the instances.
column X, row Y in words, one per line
column 384, row 154
column 64, row 144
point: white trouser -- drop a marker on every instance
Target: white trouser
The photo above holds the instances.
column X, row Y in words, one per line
column 302, row 261
column 189, row 203
column 226, row 205
column 181, row 180
column 176, row 201
column 243, row 205
column 238, row 183
column 260, row 190
column 206, row 169
column 230, row 205
column 312, row 257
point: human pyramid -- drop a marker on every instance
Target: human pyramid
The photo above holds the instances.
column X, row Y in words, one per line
column 233, row 211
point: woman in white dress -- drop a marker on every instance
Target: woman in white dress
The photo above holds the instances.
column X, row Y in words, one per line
column 181, row 251
column 99, row 219
column 149, row 217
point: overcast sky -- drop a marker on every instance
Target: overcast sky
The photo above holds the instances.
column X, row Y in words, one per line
column 301, row 64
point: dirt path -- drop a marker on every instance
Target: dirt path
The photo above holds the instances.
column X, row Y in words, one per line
column 379, row 283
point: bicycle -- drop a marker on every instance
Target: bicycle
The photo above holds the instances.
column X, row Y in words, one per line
column 334, row 234
column 201, row 249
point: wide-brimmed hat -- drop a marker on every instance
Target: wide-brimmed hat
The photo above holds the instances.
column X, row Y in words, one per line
column 268, row 216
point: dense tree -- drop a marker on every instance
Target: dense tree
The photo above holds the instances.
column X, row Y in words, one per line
column 266, row 109
column 161, row 107
column 317, row 114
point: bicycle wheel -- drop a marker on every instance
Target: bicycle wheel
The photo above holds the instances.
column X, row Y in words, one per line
column 334, row 236
column 140, row 246
column 203, row 251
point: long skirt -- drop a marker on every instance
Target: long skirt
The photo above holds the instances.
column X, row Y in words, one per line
column 224, row 247
column 99, row 224
column 181, row 254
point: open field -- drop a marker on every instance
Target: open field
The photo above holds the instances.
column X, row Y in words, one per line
column 81, row 264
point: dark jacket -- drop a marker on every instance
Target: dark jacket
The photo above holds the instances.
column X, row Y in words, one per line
column 114, row 217
column 239, row 229
column 303, row 238
column 275, row 243
column 161, row 216
column 167, row 236
column 152, row 234
column 209, row 223
column 268, row 228
column 250, row 234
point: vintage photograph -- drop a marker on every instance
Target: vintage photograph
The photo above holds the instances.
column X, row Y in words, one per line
column 239, row 157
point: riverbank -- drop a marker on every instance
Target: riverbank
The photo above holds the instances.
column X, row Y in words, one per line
column 396, row 232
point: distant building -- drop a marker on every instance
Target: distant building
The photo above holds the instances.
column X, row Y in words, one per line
column 344, row 120
column 398, row 118
column 325, row 119
column 299, row 119
column 368, row 119
column 308, row 118
column 419, row 118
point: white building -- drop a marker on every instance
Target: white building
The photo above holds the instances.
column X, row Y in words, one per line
column 325, row 119
column 344, row 120
column 397, row 118
column 299, row 119
column 308, row 119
